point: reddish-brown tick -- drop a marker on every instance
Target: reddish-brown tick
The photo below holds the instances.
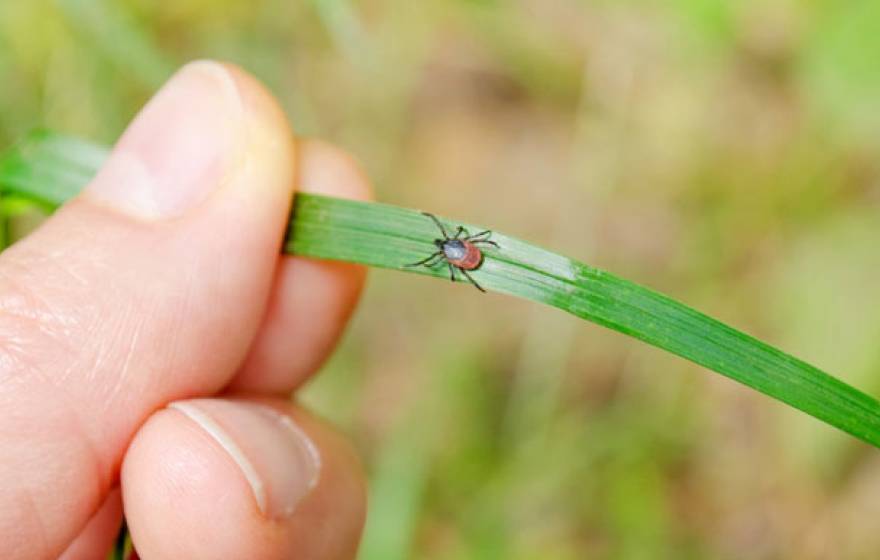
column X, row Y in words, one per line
column 459, row 252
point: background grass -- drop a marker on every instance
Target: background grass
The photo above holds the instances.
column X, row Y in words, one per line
column 722, row 152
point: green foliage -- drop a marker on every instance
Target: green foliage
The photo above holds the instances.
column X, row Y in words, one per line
column 52, row 169
column 840, row 65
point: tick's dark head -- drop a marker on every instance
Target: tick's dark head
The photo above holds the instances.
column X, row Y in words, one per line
column 439, row 243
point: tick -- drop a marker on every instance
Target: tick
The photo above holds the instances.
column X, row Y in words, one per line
column 459, row 252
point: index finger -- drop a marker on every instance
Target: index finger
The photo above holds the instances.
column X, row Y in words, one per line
column 312, row 300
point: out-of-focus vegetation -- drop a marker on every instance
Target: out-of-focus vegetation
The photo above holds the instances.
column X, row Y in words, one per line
column 723, row 152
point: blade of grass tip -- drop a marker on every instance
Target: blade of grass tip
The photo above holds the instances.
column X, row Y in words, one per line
column 48, row 168
column 387, row 236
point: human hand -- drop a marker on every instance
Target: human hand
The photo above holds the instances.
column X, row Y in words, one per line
column 134, row 321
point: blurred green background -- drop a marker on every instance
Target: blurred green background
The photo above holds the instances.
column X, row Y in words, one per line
column 725, row 153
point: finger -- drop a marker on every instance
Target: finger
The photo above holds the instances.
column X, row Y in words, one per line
column 218, row 478
column 96, row 540
column 137, row 293
column 311, row 300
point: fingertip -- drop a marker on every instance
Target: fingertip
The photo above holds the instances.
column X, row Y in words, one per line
column 270, row 136
column 328, row 170
column 187, row 494
column 311, row 304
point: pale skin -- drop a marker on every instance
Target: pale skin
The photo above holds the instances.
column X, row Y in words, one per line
column 142, row 320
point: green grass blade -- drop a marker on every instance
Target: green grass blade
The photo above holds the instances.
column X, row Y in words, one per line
column 51, row 169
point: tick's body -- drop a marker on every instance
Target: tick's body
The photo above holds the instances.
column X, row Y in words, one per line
column 459, row 253
column 462, row 253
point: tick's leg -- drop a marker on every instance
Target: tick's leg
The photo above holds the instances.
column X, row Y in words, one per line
column 425, row 261
column 461, row 230
column 434, row 261
column 474, row 282
column 451, row 272
column 487, row 242
column 475, row 237
column 439, row 225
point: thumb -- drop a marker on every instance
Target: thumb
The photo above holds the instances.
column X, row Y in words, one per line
column 147, row 288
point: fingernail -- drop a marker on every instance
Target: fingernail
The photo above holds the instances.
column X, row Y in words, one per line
column 277, row 459
column 178, row 149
